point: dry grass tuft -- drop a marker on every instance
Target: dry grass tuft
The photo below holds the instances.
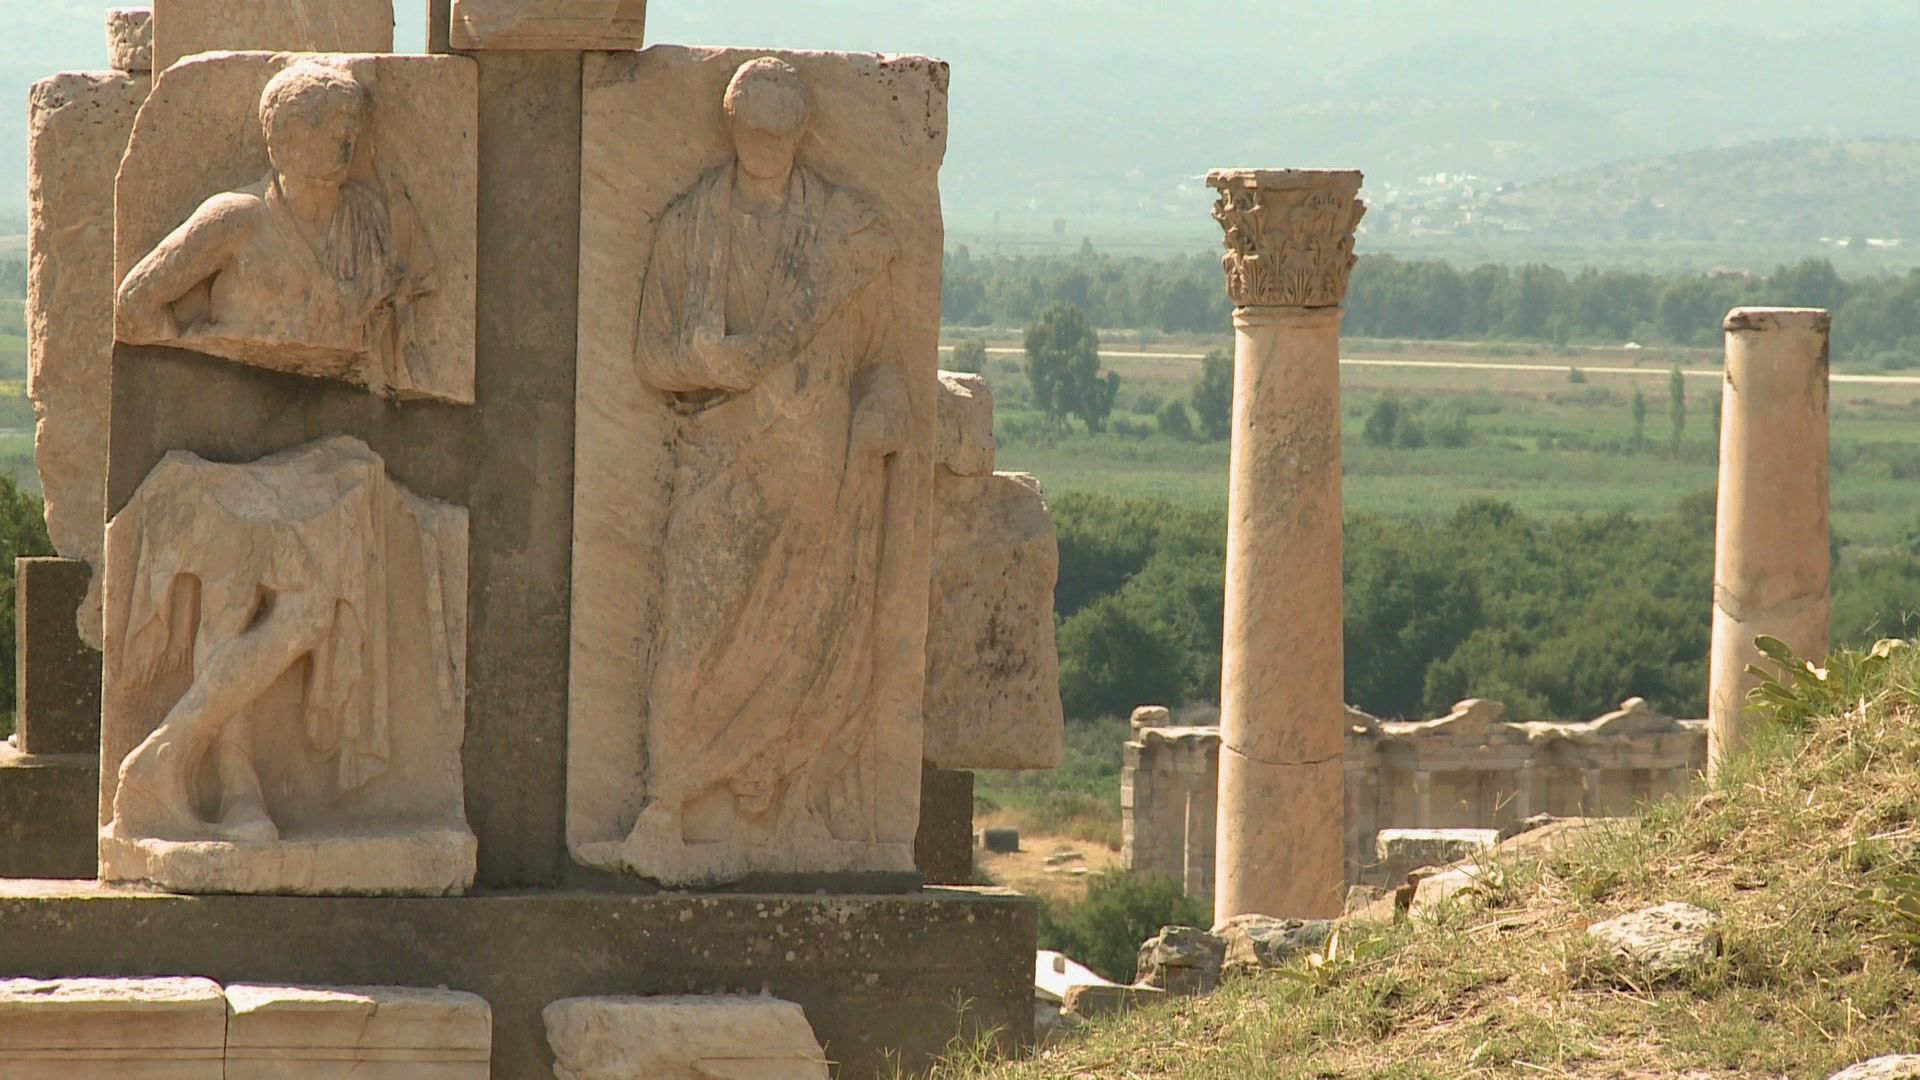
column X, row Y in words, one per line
column 1809, row 850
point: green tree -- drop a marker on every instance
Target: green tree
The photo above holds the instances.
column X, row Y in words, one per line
column 1063, row 366
column 1639, row 420
column 1114, row 656
column 1174, row 421
column 1213, row 395
column 1677, row 406
column 969, row 355
column 1383, row 422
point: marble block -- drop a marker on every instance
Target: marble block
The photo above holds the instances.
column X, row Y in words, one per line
column 129, row 1029
column 966, row 424
column 285, row 679
column 549, row 24
column 993, row 672
column 78, row 124
column 313, row 214
column 683, row 1038
column 356, row 1033
column 130, row 39
column 757, row 419
column 184, row 27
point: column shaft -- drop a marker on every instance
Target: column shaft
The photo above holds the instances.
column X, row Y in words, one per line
column 1771, row 557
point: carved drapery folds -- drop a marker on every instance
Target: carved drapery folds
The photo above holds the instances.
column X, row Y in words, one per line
column 1289, row 234
column 306, row 213
column 757, row 426
column 285, row 679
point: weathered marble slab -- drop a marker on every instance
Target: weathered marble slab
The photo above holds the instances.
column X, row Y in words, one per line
column 683, row 1038
column 129, row 1029
column 130, row 40
column 356, row 1033
column 365, row 274
column 993, row 673
column 285, row 683
column 182, row 28
column 753, row 513
column 549, row 24
column 77, row 129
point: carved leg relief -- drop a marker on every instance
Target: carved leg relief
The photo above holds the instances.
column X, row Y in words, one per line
column 284, row 645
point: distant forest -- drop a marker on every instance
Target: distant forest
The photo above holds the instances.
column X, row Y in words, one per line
column 1876, row 319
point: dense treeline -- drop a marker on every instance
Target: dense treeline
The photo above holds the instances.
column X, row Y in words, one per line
column 1877, row 318
column 1558, row 619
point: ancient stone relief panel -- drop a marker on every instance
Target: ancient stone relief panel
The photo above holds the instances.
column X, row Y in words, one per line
column 77, row 129
column 306, row 213
column 683, row 1038
column 185, row 27
column 285, row 679
column 760, row 292
column 993, row 674
column 549, row 24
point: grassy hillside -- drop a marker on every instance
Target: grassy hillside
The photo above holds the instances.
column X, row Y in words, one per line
column 1808, row 852
column 1782, row 191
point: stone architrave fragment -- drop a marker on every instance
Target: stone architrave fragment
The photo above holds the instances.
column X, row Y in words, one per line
column 130, row 1029
column 757, row 419
column 285, row 681
column 348, row 254
column 130, row 39
column 78, row 125
column 993, row 673
column 357, row 1032
column 682, row 1038
column 590, row 25
column 182, row 28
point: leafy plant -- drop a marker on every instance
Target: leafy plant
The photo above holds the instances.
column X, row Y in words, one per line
column 1322, row 968
column 1802, row 691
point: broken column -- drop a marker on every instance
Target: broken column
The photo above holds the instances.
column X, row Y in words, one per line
column 1771, row 554
column 1289, row 239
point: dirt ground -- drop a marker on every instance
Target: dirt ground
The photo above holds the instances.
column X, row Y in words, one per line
column 1028, row 870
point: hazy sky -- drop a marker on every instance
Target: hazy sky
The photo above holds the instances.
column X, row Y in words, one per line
column 1110, row 107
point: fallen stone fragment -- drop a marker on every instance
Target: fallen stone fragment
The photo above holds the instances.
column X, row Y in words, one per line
column 1664, row 941
column 1182, row 960
column 1259, row 942
column 1089, row 1001
column 1891, row 1067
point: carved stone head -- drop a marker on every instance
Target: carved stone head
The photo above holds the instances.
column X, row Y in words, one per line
column 767, row 111
column 312, row 114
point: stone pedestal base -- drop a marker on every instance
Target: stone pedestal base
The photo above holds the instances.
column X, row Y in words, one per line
column 943, row 848
column 56, row 675
column 436, row 863
column 874, row 974
column 49, row 811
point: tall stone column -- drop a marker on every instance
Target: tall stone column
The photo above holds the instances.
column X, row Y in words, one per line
column 1289, row 239
column 1770, row 566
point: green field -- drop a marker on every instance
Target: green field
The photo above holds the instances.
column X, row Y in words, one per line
column 1538, row 439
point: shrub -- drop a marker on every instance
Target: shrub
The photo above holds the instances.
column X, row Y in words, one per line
column 1105, row 930
column 1174, row 421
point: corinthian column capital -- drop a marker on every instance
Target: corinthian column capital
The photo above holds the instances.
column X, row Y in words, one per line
column 1289, row 234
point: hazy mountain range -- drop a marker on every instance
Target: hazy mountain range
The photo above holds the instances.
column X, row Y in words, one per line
column 1105, row 113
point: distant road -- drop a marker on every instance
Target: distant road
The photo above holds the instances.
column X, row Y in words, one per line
column 1483, row 365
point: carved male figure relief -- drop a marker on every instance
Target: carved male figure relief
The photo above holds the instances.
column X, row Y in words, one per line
column 315, row 269
column 764, row 328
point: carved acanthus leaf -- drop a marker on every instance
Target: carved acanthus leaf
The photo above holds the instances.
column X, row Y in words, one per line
column 1289, row 235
